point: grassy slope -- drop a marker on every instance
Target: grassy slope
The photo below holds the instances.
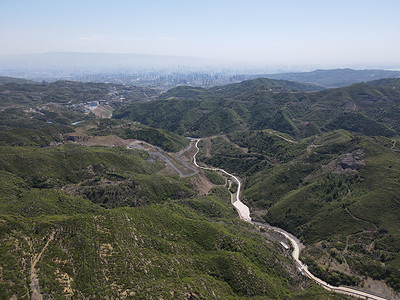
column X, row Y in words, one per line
column 173, row 248
column 171, row 242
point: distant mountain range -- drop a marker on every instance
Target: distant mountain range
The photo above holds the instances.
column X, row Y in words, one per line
column 336, row 77
column 6, row 80
column 72, row 65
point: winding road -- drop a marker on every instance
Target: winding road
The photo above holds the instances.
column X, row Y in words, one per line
column 244, row 214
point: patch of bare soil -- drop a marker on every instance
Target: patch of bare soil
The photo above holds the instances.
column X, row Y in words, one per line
column 138, row 144
column 311, row 147
column 201, row 184
column 108, row 141
column 35, row 287
column 282, row 137
column 65, row 281
column 380, row 288
column 242, row 149
column 206, row 146
column 188, row 154
column 106, row 250
column 328, row 261
column 168, row 170
column 347, row 163
column 103, row 111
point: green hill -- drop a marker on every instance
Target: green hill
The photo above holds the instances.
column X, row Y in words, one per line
column 61, row 221
column 369, row 109
column 390, row 82
column 237, row 90
column 98, row 222
column 87, row 211
column 15, row 92
column 6, row 80
column 336, row 77
column 336, row 191
column 29, row 108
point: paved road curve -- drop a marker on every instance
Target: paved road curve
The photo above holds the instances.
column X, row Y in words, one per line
column 242, row 209
column 244, row 214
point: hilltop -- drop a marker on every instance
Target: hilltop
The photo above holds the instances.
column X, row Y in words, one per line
column 5, row 80
column 366, row 108
column 81, row 221
column 336, row 77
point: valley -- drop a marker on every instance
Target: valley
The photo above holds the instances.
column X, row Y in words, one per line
column 146, row 201
column 195, row 150
column 244, row 214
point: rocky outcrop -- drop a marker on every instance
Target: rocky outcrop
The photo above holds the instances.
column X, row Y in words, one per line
column 348, row 163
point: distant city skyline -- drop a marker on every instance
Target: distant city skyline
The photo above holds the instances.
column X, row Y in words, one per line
column 264, row 33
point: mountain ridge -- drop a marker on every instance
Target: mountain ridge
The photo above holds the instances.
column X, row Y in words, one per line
column 250, row 105
column 336, row 77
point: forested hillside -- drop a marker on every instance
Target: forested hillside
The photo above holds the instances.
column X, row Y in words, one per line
column 336, row 191
column 95, row 207
column 369, row 108
column 103, row 208
column 323, row 165
column 336, row 77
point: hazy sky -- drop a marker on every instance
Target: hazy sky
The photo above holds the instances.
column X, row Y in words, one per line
column 327, row 33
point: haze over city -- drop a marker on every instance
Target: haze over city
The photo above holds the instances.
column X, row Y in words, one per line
column 312, row 34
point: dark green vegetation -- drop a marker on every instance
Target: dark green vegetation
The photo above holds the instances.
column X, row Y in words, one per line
column 370, row 109
column 239, row 90
column 171, row 243
column 214, row 177
column 108, row 222
column 110, row 177
column 337, row 77
column 33, row 137
column 330, row 175
column 338, row 192
column 169, row 250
